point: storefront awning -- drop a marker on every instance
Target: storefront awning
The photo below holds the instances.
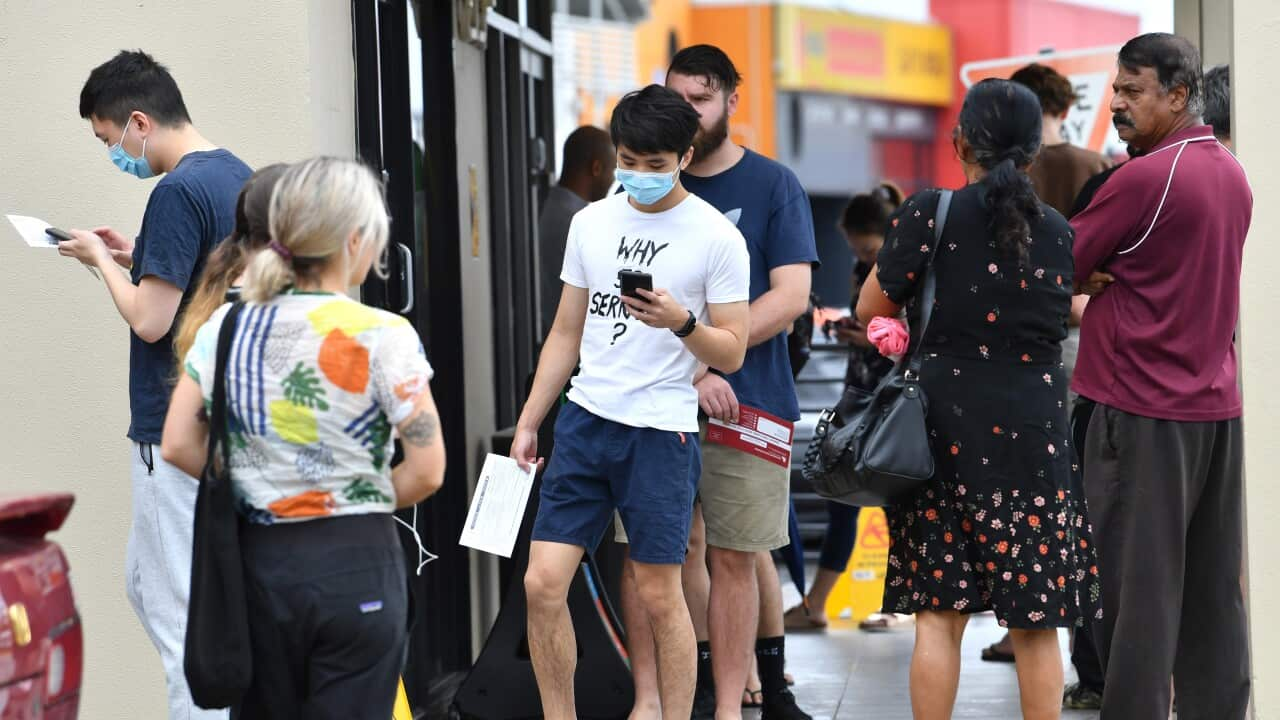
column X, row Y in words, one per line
column 841, row 53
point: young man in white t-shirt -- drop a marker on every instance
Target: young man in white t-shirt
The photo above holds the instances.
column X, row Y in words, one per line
column 628, row 437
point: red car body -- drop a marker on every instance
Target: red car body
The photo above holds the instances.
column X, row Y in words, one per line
column 41, row 645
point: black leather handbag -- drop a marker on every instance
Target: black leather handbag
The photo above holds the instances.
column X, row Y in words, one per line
column 218, row 659
column 874, row 447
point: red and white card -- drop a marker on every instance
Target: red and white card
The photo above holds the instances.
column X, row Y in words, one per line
column 757, row 433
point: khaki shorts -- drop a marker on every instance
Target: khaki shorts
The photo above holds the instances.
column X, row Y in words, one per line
column 744, row 500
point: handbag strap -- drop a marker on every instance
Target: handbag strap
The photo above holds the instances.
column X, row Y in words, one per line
column 929, row 284
column 218, row 411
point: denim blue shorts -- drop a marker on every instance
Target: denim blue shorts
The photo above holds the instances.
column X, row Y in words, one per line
column 650, row 477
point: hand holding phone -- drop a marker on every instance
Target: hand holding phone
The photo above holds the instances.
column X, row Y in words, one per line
column 655, row 308
column 57, row 235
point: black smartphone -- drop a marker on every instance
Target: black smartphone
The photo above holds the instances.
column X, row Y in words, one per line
column 631, row 280
column 57, row 235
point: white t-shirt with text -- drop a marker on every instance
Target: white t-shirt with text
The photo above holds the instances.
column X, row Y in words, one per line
column 631, row 373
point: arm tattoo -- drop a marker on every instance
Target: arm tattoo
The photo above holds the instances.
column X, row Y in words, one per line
column 420, row 431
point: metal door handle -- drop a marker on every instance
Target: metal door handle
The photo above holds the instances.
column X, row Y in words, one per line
column 406, row 276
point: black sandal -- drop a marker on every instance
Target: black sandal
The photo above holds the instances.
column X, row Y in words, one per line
column 757, row 698
column 993, row 653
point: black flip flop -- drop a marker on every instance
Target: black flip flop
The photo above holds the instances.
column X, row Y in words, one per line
column 757, row 698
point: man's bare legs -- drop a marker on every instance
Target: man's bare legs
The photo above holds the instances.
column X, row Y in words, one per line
column 734, row 620
column 660, row 592
column 640, row 641
column 770, row 624
column 697, row 594
column 552, row 645
column 741, row 632
column 640, row 647
column 770, row 589
column 696, row 578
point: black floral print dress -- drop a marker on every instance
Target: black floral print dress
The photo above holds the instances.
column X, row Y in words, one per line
column 998, row 527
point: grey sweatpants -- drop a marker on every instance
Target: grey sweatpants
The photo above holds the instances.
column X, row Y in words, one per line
column 1166, row 503
column 158, row 568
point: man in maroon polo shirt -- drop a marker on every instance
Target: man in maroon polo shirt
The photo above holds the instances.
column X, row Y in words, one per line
column 1160, row 248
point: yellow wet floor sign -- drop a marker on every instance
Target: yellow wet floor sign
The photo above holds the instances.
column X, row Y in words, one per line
column 401, row 711
column 860, row 590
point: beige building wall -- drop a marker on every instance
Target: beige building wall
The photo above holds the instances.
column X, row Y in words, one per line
column 1256, row 91
column 270, row 81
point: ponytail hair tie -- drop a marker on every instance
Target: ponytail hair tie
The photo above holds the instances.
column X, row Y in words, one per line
column 281, row 250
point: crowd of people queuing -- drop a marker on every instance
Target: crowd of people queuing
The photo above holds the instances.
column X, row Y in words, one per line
column 1097, row 489
column 1057, row 425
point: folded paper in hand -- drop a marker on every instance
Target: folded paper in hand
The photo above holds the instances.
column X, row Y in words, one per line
column 497, row 508
column 33, row 233
column 758, row 433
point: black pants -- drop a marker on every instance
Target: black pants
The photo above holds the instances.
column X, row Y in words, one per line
column 1084, row 650
column 328, row 612
column 1166, row 501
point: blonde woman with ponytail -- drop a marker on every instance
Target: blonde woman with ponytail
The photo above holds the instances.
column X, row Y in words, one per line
column 316, row 386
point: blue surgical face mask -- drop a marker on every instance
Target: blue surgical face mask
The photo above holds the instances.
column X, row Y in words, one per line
column 135, row 166
column 646, row 188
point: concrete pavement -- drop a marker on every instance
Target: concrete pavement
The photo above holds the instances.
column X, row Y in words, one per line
column 846, row 674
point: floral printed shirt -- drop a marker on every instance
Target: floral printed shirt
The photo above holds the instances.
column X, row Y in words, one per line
column 315, row 384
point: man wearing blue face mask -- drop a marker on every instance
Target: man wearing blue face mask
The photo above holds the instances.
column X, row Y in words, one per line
column 628, row 437
column 743, row 498
column 136, row 110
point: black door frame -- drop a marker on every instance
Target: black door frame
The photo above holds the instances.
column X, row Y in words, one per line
column 440, row 641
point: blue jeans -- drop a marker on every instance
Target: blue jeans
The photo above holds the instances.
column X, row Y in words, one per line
column 842, row 531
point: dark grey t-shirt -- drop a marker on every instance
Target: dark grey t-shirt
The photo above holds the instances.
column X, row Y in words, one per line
column 190, row 210
column 553, row 231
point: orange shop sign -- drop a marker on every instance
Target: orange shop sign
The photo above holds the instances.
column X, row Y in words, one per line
column 1090, row 71
column 837, row 52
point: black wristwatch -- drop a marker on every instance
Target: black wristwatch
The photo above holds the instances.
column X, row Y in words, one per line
column 687, row 329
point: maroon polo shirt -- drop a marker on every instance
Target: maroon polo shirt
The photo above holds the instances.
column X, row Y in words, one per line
column 1170, row 226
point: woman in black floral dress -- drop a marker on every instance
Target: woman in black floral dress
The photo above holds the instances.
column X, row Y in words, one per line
column 998, row 527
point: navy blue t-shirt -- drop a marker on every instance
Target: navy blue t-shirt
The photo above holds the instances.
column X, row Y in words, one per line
column 191, row 209
column 765, row 200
